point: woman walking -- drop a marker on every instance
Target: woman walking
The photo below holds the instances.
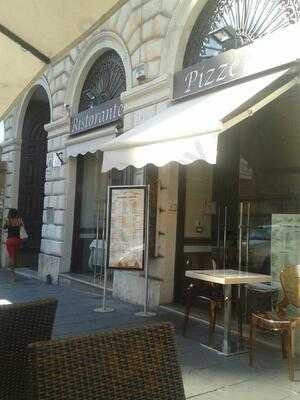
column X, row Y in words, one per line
column 13, row 242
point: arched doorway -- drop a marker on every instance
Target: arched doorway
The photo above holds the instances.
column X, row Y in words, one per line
column 105, row 80
column 32, row 173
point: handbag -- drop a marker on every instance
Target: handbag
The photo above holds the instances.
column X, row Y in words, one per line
column 23, row 233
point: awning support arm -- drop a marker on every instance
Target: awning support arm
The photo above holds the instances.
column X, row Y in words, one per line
column 26, row 46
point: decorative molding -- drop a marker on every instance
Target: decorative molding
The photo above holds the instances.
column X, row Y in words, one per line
column 179, row 30
column 96, row 46
column 249, row 20
column 58, row 127
column 106, row 80
column 153, row 92
column 11, row 145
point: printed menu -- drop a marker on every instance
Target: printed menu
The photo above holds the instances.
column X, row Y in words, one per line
column 126, row 230
column 285, row 247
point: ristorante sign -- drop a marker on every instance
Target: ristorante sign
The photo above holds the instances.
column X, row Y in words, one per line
column 276, row 51
column 98, row 116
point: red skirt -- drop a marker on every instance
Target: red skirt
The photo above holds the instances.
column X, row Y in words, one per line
column 13, row 245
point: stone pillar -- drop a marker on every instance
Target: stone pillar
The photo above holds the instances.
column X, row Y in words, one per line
column 51, row 258
column 11, row 154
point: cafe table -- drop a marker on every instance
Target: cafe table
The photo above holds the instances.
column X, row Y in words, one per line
column 227, row 277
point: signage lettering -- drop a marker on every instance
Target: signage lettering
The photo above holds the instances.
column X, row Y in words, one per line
column 104, row 114
column 237, row 64
column 207, row 75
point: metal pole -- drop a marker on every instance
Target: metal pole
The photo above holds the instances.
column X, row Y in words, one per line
column 95, row 254
column 227, row 320
column 248, row 235
column 104, row 308
column 240, row 234
column 225, row 237
column 101, row 272
column 247, row 252
column 219, row 216
column 240, row 242
column 97, row 239
column 146, row 312
column 218, row 238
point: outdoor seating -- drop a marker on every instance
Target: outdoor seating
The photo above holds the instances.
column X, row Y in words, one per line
column 130, row 364
column 20, row 325
column 212, row 295
column 279, row 321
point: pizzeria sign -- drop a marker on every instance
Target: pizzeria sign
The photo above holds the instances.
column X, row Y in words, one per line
column 260, row 57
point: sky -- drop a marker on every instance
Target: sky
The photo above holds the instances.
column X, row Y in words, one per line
column 1, row 132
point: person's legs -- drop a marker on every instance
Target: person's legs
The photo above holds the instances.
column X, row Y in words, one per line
column 14, row 264
column 13, row 247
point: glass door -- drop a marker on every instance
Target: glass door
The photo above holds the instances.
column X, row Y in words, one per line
column 89, row 221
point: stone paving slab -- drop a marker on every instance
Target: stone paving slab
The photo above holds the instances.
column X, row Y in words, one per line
column 207, row 375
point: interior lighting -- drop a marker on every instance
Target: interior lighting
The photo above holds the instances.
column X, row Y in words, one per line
column 91, row 97
column 226, row 37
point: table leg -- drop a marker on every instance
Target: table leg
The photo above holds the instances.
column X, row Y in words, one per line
column 227, row 320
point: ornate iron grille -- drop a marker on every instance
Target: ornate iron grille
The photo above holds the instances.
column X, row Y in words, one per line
column 105, row 80
column 250, row 19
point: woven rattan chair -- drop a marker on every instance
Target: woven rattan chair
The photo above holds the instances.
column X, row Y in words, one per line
column 20, row 325
column 279, row 321
column 133, row 364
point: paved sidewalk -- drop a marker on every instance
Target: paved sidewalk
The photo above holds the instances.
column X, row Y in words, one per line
column 206, row 374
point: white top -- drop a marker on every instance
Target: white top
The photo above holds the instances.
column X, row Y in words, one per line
column 227, row 276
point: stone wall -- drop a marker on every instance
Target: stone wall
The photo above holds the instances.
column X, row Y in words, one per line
column 141, row 26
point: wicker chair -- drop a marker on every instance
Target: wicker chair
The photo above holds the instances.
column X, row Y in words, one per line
column 20, row 325
column 133, row 364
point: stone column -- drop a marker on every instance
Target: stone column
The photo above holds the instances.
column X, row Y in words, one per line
column 51, row 258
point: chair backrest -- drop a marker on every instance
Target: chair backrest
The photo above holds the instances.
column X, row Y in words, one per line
column 20, row 325
column 290, row 281
column 213, row 263
column 131, row 364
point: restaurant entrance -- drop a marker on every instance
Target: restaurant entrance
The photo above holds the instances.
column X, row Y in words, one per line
column 244, row 211
column 90, row 203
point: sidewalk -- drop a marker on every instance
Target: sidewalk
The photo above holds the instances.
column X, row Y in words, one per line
column 206, row 374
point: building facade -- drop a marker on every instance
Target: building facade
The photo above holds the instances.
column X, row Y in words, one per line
column 54, row 177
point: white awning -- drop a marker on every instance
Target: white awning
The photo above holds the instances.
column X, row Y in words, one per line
column 36, row 33
column 84, row 146
column 189, row 131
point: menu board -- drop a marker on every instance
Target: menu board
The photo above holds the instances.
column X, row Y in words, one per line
column 285, row 247
column 126, row 227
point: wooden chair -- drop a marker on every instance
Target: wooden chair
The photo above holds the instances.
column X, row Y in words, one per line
column 279, row 321
column 264, row 297
column 20, row 325
column 212, row 295
column 132, row 364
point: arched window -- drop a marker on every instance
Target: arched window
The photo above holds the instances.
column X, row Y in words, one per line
column 105, row 81
column 247, row 20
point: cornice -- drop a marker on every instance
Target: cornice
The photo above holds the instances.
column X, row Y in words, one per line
column 152, row 92
column 11, row 145
column 58, row 128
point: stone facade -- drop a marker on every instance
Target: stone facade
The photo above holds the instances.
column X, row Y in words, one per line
column 147, row 34
column 151, row 33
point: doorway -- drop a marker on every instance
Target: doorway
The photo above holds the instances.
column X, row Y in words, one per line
column 246, row 212
column 90, row 208
column 32, row 174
